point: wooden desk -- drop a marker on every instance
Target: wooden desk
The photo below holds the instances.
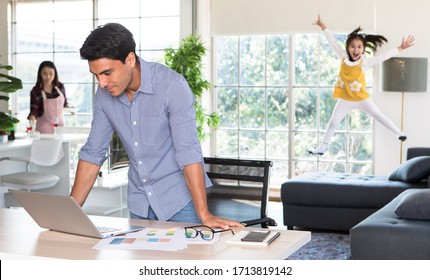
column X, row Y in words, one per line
column 21, row 236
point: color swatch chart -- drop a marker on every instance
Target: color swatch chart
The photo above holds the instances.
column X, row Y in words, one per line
column 172, row 239
column 153, row 236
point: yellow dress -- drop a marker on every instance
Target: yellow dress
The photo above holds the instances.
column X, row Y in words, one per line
column 351, row 83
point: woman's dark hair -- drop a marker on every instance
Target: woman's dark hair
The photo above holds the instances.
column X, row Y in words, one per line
column 372, row 42
column 42, row 65
column 112, row 41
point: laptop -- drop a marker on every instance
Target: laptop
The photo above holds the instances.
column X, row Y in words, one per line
column 63, row 213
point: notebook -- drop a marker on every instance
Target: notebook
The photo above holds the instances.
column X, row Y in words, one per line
column 236, row 239
column 63, row 213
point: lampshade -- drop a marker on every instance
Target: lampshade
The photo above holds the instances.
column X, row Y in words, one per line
column 404, row 74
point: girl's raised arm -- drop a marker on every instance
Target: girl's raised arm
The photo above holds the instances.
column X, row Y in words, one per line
column 409, row 42
column 320, row 23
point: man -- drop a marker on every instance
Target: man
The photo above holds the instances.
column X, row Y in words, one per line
column 151, row 107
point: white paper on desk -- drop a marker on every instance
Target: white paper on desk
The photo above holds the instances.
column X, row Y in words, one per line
column 172, row 239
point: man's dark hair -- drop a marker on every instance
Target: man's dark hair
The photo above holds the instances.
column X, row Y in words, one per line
column 112, row 41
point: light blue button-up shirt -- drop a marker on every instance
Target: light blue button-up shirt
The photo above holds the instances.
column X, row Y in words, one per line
column 158, row 130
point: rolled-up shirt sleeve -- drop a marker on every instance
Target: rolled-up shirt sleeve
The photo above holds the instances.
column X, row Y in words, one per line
column 183, row 123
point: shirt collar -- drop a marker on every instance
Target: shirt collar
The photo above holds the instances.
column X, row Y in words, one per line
column 352, row 63
column 145, row 78
column 145, row 82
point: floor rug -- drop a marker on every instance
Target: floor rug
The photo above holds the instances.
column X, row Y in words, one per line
column 325, row 246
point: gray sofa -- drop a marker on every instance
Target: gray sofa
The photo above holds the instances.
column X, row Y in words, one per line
column 338, row 201
column 386, row 236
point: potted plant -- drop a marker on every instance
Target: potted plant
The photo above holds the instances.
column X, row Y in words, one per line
column 187, row 61
column 8, row 84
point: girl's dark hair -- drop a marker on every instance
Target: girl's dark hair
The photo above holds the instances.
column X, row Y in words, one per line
column 372, row 42
column 42, row 65
column 112, row 41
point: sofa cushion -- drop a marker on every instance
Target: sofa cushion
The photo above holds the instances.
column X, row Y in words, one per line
column 386, row 236
column 342, row 190
column 415, row 205
column 412, row 171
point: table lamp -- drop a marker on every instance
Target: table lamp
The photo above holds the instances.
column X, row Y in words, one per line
column 404, row 74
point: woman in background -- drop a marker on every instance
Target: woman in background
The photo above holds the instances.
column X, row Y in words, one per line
column 47, row 99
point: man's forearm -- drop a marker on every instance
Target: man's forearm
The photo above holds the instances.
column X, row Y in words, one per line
column 86, row 174
column 194, row 176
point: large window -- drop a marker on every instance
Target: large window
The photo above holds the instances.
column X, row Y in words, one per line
column 274, row 95
column 56, row 29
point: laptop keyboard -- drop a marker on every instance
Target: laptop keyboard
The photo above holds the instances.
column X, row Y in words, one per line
column 107, row 229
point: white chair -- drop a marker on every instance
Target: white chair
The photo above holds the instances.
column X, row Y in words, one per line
column 44, row 152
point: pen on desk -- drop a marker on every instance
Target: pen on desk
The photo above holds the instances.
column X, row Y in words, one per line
column 274, row 237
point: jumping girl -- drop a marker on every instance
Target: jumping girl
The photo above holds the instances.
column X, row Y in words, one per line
column 350, row 88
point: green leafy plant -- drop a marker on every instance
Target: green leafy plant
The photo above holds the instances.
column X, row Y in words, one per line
column 8, row 84
column 187, row 61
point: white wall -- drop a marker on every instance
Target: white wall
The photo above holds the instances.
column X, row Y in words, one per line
column 274, row 16
column 203, row 27
column 3, row 43
column 390, row 18
column 396, row 20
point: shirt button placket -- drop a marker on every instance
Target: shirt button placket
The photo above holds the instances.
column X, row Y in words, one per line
column 135, row 137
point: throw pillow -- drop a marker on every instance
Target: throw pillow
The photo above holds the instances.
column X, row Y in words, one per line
column 415, row 205
column 413, row 170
